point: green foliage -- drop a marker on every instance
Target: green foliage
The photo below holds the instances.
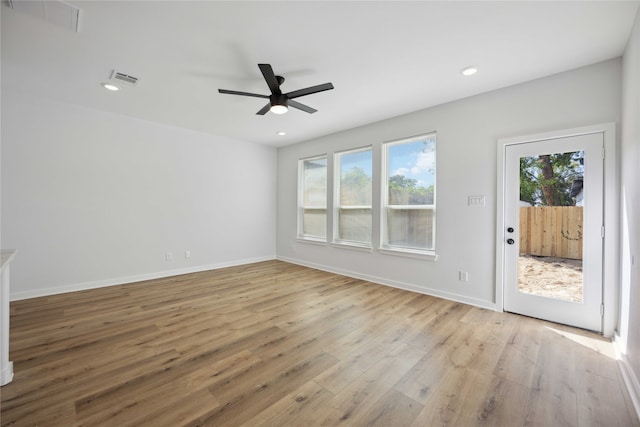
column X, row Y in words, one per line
column 546, row 180
column 404, row 191
column 529, row 187
column 356, row 178
column 355, row 188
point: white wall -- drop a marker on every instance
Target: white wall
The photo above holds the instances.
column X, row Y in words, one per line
column 92, row 198
column 467, row 132
column 629, row 332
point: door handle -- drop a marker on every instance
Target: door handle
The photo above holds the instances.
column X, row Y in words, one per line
column 510, row 241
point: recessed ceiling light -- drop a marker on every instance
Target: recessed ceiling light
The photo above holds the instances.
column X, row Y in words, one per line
column 281, row 133
column 109, row 86
column 469, row 71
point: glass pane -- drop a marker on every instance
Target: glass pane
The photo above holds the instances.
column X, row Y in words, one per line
column 551, row 221
column 355, row 225
column 411, row 171
column 410, row 228
column 355, row 178
column 315, row 182
column 315, row 223
column 354, row 189
column 314, row 198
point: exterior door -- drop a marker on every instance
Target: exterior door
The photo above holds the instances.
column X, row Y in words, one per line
column 553, row 236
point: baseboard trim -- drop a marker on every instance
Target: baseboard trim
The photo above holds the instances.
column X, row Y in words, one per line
column 168, row 273
column 132, row 279
column 394, row 284
column 6, row 375
column 628, row 376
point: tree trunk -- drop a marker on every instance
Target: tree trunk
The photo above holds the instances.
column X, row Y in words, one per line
column 548, row 181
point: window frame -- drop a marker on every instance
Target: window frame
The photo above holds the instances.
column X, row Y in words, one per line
column 385, row 246
column 300, row 235
column 337, row 186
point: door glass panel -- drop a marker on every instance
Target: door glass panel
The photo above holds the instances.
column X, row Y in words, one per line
column 551, row 225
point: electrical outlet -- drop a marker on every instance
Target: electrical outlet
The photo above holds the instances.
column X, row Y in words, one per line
column 187, row 254
column 463, row 276
column 169, row 256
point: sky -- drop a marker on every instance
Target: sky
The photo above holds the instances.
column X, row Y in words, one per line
column 361, row 159
column 412, row 160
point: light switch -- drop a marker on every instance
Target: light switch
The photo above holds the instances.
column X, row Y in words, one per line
column 478, row 201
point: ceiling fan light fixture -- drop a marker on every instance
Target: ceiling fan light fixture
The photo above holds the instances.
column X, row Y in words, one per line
column 278, row 109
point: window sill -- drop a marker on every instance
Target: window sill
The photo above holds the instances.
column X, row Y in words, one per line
column 311, row 241
column 407, row 253
column 352, row 246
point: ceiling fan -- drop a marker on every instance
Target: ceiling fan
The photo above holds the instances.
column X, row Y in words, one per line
column 278, row 101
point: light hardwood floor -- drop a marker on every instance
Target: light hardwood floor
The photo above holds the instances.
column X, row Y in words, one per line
column 277, row 344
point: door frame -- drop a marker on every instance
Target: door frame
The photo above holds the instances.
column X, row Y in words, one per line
column 611, row 212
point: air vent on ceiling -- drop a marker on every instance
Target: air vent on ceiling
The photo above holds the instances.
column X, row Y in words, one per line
column 124, row 78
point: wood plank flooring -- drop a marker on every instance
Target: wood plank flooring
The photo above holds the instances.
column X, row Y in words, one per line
column 276, row 344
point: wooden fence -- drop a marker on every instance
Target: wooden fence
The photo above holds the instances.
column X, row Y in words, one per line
column 551, row 231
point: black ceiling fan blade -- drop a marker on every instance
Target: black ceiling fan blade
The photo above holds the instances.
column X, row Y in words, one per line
column 296, row 104
column 309, row 90
column 270, row 78
column 235, row 92
column 264, row 110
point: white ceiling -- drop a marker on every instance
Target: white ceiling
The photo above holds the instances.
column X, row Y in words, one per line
column 385, row 58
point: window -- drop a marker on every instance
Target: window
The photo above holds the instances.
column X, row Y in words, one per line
column 353, row 197
column 312, row 200
column 409, row 204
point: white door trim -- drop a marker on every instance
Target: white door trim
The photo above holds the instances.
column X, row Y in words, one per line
column 611, row 215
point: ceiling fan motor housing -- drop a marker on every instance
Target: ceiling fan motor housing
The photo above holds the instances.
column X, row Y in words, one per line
column 278, row 100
